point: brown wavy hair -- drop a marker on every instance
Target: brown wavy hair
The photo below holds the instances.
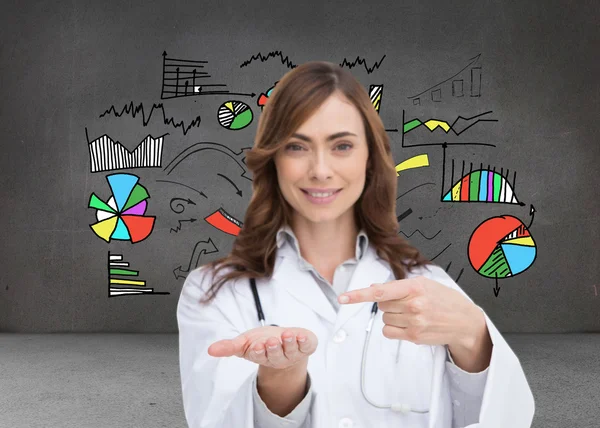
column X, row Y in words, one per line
column 293, row 100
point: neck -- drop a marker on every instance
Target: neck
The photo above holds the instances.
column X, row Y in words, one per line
column 326, row 243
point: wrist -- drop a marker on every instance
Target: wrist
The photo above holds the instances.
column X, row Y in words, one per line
column 283, row 389
column 473, row 352
column 472, row 331
column 298, row 368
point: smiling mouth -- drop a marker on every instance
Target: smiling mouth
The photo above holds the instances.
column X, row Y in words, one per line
column 333, row 193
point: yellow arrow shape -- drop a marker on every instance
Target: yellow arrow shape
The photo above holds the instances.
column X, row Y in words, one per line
column 414, row 162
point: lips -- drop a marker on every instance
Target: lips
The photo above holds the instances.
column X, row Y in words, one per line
column 320, row 191
column 321, row 200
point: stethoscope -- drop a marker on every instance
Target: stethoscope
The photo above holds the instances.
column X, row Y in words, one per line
column 397, row 407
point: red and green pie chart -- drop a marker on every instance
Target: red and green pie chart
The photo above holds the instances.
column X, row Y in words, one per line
column 122, row 217
column 501, row 247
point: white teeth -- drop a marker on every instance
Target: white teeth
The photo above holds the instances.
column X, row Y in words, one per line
column 321, row 195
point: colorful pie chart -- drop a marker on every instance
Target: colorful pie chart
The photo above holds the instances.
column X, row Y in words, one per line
column 501, row 247
column 122, row 217
column 235, row 115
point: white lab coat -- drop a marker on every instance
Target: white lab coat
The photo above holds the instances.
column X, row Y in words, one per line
column 217, row 391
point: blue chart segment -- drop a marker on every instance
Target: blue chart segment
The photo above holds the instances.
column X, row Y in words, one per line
column 121, row 186
column 518, row 257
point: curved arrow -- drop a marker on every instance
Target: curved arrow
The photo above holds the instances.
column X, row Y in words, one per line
column 201, row 247
column 179, row 204
column 239, row 192
column 532, row 214
column 238, row 157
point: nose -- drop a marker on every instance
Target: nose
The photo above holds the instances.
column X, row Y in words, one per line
column 320, row 166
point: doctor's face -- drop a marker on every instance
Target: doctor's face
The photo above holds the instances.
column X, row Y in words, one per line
column 322, row 168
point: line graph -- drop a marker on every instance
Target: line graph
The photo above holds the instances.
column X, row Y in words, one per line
column 273, row 54
column 129, row 109
column 458, row 126
column 289, row 64
column 420, row 233
column 362, row 61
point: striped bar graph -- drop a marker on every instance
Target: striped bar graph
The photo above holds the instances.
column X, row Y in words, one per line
column 108, row 155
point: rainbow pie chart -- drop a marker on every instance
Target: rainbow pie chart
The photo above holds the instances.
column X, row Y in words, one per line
column 235, row 115
column 501, row 247
column 122, row 216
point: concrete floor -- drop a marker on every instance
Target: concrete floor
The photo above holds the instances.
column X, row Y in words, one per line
column 132, row 380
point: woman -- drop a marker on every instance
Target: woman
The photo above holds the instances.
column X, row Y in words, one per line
column 321, row 225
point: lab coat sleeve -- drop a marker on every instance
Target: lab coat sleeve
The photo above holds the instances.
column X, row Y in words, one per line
column 295, row 419
column 466, row 392
column 216, row 391
column 507, row 398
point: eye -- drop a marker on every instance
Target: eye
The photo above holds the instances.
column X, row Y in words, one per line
column 345, row 144
column 290, row 146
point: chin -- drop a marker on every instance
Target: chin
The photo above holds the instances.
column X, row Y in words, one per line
column 323, row 217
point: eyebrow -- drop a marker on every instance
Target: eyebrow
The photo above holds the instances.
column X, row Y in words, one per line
column 330, row 138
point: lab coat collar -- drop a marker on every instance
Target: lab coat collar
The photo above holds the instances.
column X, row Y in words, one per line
column 286, row 235
column 302, row 286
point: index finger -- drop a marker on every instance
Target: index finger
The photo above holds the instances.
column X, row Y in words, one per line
column 376, row 293
column 229, row 347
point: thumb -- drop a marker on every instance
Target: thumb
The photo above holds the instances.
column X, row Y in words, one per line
column 228, row 347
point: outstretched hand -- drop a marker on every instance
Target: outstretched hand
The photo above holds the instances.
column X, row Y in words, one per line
column 255, row 345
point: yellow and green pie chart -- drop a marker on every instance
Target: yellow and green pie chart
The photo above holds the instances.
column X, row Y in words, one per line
column 235, row 115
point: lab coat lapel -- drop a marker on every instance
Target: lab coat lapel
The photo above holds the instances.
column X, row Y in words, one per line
column 369, row 270
column 300, row 284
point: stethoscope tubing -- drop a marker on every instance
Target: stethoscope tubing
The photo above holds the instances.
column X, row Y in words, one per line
column 397, row 407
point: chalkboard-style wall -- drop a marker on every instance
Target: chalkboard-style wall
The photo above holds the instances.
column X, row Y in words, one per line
column 125, row 126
